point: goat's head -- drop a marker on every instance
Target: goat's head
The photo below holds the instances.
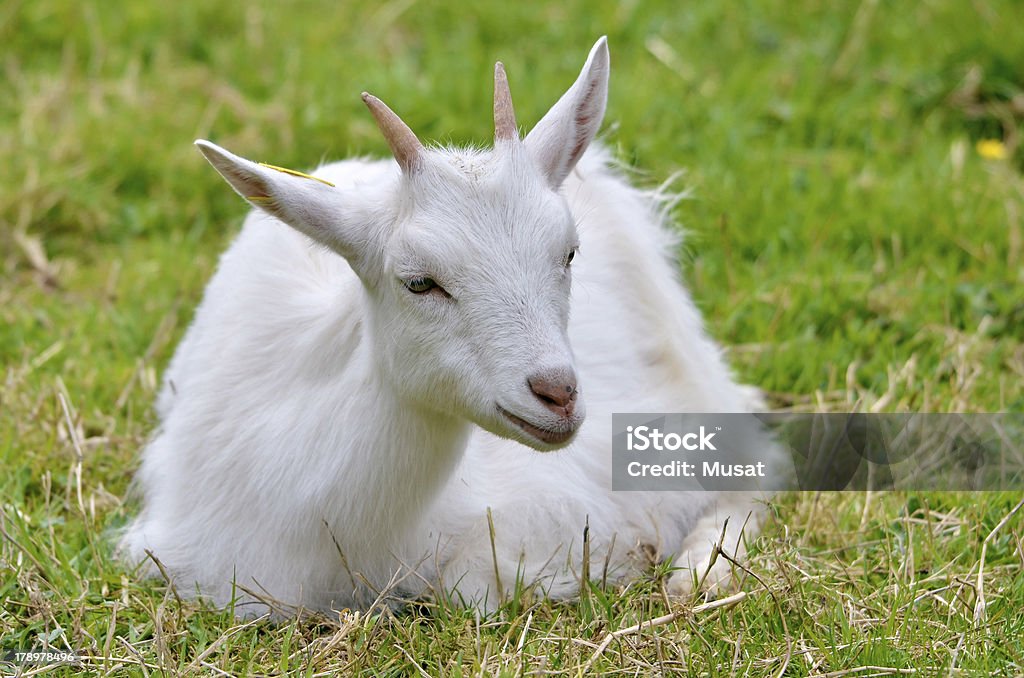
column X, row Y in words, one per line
column 465, row 256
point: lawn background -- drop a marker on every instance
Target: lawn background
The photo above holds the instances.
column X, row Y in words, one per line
column 854, row 239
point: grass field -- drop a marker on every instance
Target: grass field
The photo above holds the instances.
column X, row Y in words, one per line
column 854, row 238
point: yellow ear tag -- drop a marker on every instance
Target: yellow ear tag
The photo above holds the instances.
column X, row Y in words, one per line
column 295, row 173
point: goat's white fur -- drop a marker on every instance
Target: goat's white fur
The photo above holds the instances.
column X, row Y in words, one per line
column 325, row 433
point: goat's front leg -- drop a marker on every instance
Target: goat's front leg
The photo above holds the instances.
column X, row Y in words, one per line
column 741, row 514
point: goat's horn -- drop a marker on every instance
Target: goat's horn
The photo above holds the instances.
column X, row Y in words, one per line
column 403, row 142
column 504, row 115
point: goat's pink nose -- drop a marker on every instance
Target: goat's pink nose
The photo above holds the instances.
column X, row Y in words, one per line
column 556, row 389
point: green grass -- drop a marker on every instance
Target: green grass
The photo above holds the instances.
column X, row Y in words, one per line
column 847, row 241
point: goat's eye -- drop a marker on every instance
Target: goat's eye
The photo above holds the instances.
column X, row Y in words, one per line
column 569, row 257
column 420, row 285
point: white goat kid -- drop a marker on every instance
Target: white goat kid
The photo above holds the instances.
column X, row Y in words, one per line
column 355, row 392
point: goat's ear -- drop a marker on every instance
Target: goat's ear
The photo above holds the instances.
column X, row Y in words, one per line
column 306, row 203
column 563, row 134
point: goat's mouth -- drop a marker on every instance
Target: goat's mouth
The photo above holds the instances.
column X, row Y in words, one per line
column 545, row 435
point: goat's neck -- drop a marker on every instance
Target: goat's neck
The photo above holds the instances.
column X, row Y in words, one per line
column 400, row 462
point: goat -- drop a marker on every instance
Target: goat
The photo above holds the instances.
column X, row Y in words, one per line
column 345, row 419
